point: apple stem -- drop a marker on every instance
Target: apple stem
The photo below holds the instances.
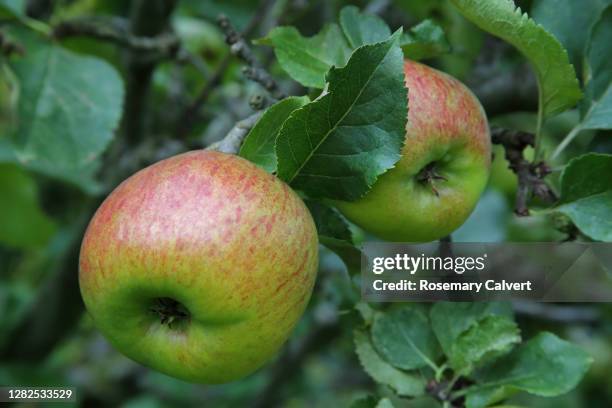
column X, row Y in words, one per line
column 169, row 311
column 428, row 175
column 233, row 140
column 239, row 47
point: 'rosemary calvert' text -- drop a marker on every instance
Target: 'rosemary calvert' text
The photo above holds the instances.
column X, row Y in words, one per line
column 426, row 285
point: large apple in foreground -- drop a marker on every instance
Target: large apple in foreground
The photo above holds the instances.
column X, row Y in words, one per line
column 443, row 169
column 199, row 266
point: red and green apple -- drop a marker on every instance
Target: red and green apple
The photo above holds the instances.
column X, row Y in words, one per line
column 199, row 266
column 444, row 166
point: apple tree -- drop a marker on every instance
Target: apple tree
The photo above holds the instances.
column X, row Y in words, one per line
column 403, row 120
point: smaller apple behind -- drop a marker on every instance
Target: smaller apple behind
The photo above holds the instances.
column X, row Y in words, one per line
column 199, row 266
column 443, row 169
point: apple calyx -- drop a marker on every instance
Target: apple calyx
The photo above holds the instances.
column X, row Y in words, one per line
column 171, row 312
column 429, row 175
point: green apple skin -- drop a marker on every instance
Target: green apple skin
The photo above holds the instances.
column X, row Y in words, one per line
column 447, row 129
column 235, row 246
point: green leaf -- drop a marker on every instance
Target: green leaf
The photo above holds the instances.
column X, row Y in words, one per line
column 561, row 17
column 450, row 320
column 307, row 60
column 368, row 401
column 598, row 101
column 490, row 338
column 404, row 338
column 466, row 41
column 592, row 215
column 559, row 88
column 419, row 9
column 258, row 145
column 9, row 97
column 338, row 145
column 586, row 176
column 596, row 108
column 599, row 115
column 366, row 312
column 329, row 222
column 334, row 233
column 68, row 109
column 545, row 365
column 349, row 253
column 362, row 28
column 198, row 35
column 384, row 403
column 12, row 8
column 586, row 195
column 382, row 372
column 83, row 179
column 480, row 398
column 372, row 402
column 425, row 40
column 23, row 223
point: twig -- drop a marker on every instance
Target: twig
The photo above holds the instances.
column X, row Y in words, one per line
column 258, row 102
column 148, row 19
column 189, row 116
column 445, row 390
column 261, row 76
column 233, row 140
column 253, row 70
column 117, row 31
column 530, row 175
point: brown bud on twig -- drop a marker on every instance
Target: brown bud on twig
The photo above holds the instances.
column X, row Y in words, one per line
column 253, row 70
column 530, row 175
